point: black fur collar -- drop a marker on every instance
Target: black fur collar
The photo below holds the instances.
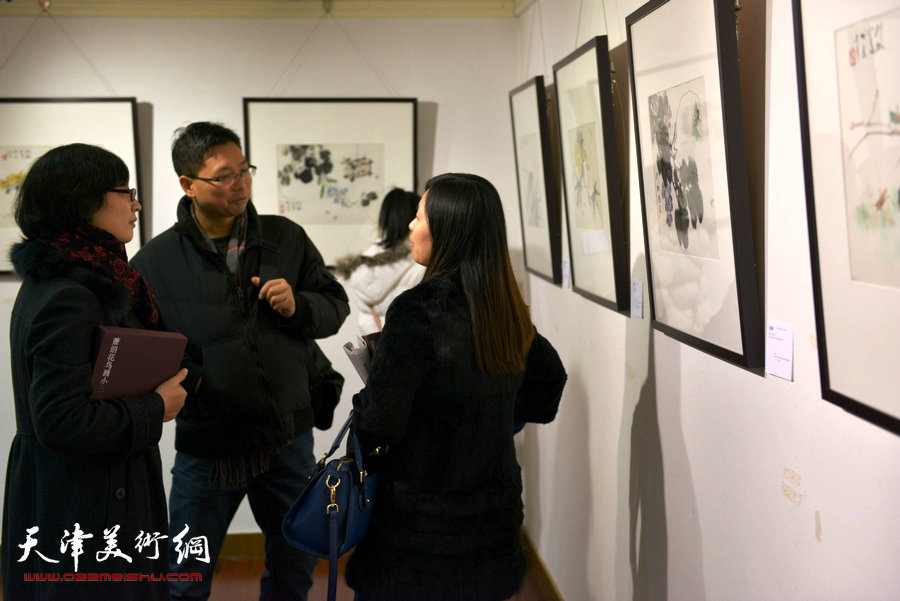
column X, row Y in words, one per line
column 36, row 261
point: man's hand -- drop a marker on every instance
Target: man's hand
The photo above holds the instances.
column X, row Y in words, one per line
column 278, row 293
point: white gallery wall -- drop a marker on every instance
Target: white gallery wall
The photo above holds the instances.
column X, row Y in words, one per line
column 668, row 473
column 185, row 70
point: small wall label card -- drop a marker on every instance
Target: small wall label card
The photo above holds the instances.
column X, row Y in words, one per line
column 780, row 350
column 637, row 299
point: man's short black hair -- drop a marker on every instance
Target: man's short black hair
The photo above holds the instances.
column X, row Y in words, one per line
column 192, row 143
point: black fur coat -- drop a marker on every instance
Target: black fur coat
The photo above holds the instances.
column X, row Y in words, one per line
column 448, row 508
column 73, row 461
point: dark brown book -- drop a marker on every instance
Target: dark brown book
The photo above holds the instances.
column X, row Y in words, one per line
column 370, row 340
column 133, row 362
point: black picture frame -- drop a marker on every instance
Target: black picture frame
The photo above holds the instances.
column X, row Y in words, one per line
column 850, row 153
column 595, row 206
column 31, row 126
column 379, row 130
column 539, row 206
column 693, row 179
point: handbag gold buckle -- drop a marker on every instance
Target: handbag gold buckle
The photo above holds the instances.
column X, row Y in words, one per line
column 332, row 488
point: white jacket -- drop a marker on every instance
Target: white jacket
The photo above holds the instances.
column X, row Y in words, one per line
column 377, row 285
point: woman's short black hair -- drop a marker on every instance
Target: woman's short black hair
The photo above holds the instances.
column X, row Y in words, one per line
column 65, row 187
column 192, row 143
column 397, row 209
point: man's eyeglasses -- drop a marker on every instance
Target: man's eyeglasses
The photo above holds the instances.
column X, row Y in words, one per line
column 229, row 180
column 130, row 191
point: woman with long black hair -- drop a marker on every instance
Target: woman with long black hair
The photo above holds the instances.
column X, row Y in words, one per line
column 458, row 364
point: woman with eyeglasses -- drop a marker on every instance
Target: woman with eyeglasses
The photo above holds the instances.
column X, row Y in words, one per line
column 84, row 505
column 457, row 365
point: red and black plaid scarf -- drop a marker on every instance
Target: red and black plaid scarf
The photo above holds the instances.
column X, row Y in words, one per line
column 100, row 251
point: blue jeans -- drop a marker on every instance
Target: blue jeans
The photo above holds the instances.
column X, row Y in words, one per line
column 207, row 513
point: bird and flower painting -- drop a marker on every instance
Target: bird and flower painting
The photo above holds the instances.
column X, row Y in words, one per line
column 867, row 55
column 848, row 57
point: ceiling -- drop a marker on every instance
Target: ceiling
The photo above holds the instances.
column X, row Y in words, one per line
column 269, row 9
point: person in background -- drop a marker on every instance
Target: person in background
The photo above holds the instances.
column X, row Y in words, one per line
column 386, row 268
column 457, row 364
column 84, row 479
column 248, row 291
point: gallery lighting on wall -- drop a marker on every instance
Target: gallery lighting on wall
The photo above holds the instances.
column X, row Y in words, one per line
column 44, row 4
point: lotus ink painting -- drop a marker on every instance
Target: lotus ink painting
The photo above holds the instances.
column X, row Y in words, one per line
column 322, row 184
column 679, row 135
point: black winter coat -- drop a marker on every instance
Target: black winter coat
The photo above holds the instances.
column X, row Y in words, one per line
column 76, row 462
column 254, row 396
column 448, row 507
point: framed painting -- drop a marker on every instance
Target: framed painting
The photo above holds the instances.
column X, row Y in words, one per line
column 693, row 177
column 539, row 209
column 326, row 163
column 848, row 69
column 31, row 126
column 598, row 245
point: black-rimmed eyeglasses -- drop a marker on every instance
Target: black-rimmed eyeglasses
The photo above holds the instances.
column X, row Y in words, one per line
column 130, row 191
column 229, row 180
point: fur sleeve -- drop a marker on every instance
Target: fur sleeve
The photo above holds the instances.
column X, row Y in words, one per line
column 403, row 357
column 545, row 377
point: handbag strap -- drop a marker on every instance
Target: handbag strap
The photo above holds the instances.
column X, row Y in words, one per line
column 340, row 436
column 357, row 453
column 332, row 555
column 333, row 515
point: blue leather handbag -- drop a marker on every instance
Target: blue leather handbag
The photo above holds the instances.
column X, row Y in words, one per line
column 332, row 513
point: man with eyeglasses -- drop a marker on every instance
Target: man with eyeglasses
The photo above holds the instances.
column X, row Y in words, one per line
column 247, row 290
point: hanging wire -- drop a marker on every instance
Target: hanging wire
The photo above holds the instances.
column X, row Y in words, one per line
column 84, row 55
column 541, row 29
column 381, row 77
column 530, row 40
column 294, row 59
column 537, row 21
column 19, row 42
column 71, row 41
column 578, row 22
column 619, row 20
column 605, row 19
column 297, row 61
